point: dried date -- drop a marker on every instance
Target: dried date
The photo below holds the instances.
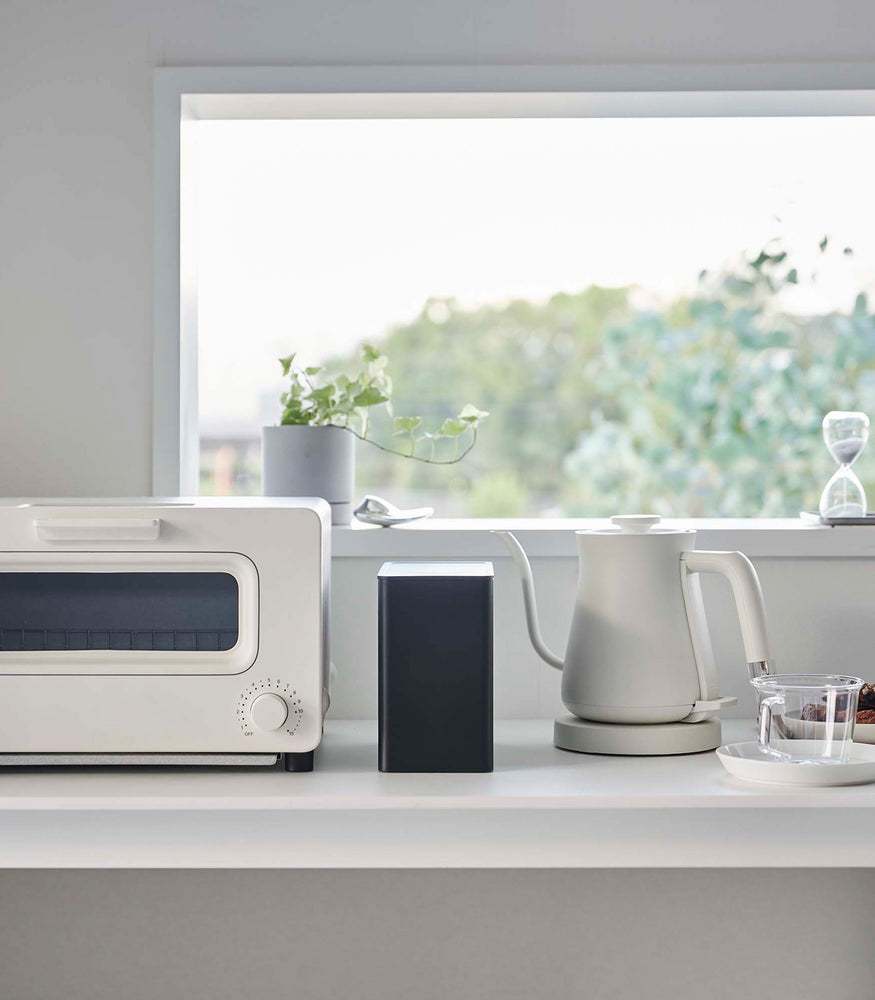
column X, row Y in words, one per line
column 867, row 697
column 817, row 713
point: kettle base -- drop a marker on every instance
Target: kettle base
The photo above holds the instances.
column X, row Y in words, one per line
column 583, row 736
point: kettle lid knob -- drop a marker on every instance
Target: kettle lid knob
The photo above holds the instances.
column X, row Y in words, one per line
column 635, row 524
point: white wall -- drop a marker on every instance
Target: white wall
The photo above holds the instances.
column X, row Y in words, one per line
column 819, row 615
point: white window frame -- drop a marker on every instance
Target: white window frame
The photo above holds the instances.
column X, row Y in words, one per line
column 184, row 96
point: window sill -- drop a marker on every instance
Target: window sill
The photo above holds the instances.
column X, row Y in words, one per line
column 554, row 537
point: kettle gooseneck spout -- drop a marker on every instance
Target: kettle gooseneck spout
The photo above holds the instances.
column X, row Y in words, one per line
column 519, row 557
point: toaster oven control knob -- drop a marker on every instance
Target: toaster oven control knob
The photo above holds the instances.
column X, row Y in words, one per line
column 269, row 711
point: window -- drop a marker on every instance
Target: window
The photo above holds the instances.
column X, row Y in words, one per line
column 656, row 311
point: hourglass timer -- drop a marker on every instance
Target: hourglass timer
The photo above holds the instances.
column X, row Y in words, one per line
column 845, row 434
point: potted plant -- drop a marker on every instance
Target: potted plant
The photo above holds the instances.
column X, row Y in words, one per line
column 312, row 450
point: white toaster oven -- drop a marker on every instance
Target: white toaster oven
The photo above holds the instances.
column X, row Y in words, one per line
column 164, row 631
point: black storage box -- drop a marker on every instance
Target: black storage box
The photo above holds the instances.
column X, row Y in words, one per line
column 435, row 666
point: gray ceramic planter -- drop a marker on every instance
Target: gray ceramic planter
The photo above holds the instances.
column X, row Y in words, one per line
column 310, row 462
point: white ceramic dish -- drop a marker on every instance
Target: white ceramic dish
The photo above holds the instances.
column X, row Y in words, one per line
column 862, row 733
column 747, row 761
column 376, row 510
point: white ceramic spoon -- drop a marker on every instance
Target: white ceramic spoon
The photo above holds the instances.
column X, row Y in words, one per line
column 376, row 510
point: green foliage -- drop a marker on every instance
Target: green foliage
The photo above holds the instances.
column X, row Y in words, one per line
column 498, row 494
column 717, row 411
column 709, row 405
column 346, row 401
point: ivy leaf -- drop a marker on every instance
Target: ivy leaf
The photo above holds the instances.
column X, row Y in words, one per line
column 406, row 425
column 287, row 363
column 314, row 370
column 824, row 243
column 369, row 396
column 793, row 276
column 369, row 352
column 323, row 394
column 452, row 427
column 295, row 418
column 352, row 387
column 860, row 304
column 294, row 413
column 471, row 415
column 343, row 404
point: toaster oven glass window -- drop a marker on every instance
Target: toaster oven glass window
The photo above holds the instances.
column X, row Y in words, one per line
column 189, row 612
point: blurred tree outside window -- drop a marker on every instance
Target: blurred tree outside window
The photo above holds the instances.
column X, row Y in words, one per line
column 683, row 370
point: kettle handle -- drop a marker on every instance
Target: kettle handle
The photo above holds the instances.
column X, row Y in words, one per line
column 746, row 590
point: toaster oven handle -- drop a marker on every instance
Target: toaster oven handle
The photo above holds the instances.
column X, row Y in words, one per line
column 82, row 529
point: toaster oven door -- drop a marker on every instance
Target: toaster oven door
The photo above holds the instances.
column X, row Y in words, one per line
column 127, row 613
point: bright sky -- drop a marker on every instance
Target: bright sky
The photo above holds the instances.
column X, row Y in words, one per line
column 316, row 234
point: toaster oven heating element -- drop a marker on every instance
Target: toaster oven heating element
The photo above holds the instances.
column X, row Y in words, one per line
column 29, row 639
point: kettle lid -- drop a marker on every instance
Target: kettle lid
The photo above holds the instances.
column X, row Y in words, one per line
column 635, row 524
column 624, row 525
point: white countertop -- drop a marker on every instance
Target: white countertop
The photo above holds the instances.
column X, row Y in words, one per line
column 540, row 808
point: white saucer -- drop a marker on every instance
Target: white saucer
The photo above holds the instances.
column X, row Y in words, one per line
column 746, row 760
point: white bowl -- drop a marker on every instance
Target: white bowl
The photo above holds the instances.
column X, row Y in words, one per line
column 863, row 733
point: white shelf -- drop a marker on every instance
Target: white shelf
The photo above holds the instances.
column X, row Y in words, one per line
column 540, row 808
column 470, row 538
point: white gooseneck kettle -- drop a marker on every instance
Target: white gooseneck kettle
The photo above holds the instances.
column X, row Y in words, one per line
column 639, row 675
